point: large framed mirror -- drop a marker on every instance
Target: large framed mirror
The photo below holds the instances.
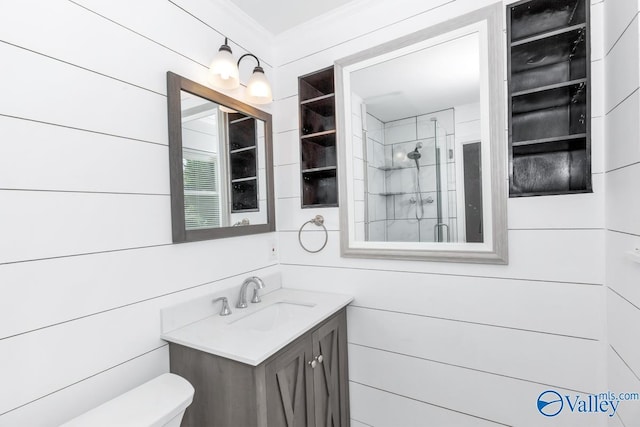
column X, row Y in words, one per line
column 422, row 165
column 220, row 163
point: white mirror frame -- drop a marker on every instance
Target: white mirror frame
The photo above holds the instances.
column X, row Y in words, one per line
column 495, row 248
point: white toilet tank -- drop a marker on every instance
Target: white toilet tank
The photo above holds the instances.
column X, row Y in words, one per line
column 159, row 402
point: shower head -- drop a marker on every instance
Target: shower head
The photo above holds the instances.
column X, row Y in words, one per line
column 414, row 155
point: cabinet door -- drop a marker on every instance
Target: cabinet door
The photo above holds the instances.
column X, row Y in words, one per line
column 288, row 389
column 331, row 401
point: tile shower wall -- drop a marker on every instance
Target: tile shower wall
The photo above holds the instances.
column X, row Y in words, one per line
column 86, row 259
column 405, row 222
column 377, row 207
column 622, row 130
column 453, row 344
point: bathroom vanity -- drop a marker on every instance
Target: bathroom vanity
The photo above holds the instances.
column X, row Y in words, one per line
column 282, row 362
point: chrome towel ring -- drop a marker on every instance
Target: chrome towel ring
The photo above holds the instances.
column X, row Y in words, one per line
column 318, row 220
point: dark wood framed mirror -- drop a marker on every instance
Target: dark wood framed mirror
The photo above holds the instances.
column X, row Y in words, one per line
column 220, row 164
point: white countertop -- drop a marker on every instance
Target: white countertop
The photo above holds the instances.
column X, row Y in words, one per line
column 222, row 336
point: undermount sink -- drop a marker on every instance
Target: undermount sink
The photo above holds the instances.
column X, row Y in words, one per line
column 273, row 316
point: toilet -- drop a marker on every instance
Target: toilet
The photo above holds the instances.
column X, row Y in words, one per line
column 159, row 402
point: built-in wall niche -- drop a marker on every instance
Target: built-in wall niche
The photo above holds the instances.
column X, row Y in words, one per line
column 549, row 89
column 318, row 139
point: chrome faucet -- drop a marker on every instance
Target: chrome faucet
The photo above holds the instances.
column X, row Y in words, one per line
column 259, row 284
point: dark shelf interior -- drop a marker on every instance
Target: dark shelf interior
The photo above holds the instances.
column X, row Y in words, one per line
column 320, row 188
column 549, row 61
column 318, row 139
column 316, row 84
column 550, row 172
column 244, row 195
column 318, row 152
column 550, row 151
column 533, row 18
column 318, row 116
column 242, row 133
column 549, row 113
column 243, row 163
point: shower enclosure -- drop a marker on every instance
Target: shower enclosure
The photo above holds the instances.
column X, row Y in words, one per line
column 410, row 178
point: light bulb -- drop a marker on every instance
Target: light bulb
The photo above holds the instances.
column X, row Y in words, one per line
column 223, row 71
column 258, row 88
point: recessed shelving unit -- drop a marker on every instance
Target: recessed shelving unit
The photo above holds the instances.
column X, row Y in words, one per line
column 243, row 166
column 549, row 97
column 318, row 139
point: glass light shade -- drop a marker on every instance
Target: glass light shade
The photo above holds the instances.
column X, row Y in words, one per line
column 258, row 88
column 223, row 71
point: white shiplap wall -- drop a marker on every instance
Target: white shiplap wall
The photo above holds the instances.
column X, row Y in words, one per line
column 86, row 260
column 622, row 107
column 452, row 344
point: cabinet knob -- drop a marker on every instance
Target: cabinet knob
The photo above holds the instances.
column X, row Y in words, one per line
column 313, row 363
column 319, row 358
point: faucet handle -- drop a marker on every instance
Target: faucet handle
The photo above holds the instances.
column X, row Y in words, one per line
column 225, row 310
column 256, row 296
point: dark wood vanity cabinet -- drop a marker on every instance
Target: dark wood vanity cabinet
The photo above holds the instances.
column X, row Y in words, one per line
column 549, row 97
column 318, row 139
column 303, row 385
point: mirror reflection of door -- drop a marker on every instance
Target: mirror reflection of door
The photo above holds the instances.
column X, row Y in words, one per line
column 473, row 192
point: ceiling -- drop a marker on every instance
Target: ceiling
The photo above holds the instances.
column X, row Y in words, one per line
column 277, row 16
column 427, row 80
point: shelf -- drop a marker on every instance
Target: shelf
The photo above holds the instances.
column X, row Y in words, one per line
column 243, row 164
column 242, row 133
column 244, row 195
column 240, row 150
column 530, row 19
column 549, row 88
column 324, row 106
column 319, row 99
column 249, row 178
column 548, row 97
column 233, row 121
column 318, row 139
column 549, row 61
column 550, row 140
column 554, row 86
column 320, row 171
column 327, row 137
column 549, row 34
column 550, row 113
column 319, row 187
column 547, row 145
column 315, row 155
column 316, row 84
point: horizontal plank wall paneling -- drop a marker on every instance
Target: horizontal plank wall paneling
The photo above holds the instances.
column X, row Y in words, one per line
column 369, row 406
column 452, row 344
column 86, row 259
column 79, row 160
column 622, row 46
column 90, row 392
column 74, row 223
column 464, row 390
column 44, row 89
column 573, row 256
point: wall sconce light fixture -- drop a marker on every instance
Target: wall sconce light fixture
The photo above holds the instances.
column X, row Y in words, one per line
column 224, row 73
